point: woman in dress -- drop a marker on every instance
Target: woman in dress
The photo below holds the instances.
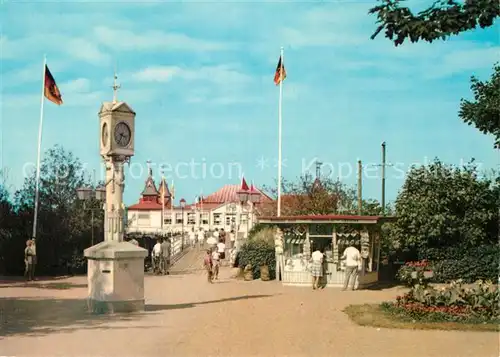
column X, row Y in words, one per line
column 316, row 267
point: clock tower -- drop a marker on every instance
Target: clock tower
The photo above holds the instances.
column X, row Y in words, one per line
column 115, row 268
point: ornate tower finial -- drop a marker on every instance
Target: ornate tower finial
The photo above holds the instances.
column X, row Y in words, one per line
column 115, row 87
column 318, row 169
column 150, row 170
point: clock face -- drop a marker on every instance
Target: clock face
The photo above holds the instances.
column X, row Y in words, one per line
column 105, row 134
column 122, row 134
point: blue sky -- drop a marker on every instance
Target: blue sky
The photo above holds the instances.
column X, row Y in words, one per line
column 200, row 77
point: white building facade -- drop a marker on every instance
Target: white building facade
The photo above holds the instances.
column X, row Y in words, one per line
column 220, row 210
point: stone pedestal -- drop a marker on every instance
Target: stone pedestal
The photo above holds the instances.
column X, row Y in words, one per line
column 115, row 277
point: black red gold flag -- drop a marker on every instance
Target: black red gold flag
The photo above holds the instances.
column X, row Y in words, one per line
column 52, row 93
column 280, row 74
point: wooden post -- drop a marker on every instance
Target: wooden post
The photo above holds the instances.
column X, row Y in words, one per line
column 360, row 189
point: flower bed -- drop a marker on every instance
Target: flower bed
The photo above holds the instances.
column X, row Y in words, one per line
column 478, row 304
column 413, row 273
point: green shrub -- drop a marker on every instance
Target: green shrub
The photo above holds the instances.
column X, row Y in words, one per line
column 452, row 303
column 468, row 264
column 265, row 234
column 256, row 253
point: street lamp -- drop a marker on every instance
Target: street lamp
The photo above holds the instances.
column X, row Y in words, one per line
column 251, row 196
column 85, row 194
column 183, row 205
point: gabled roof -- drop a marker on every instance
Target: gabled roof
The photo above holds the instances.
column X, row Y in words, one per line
column 164, row 186
column 116, row 107
column 150, row 187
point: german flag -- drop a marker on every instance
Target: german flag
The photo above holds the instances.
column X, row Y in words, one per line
column 51, row 91
column 280, row 74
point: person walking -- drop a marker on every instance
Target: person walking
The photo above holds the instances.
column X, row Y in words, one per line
column 208, row 265
column 222, row 235
column 156, row 257
column 221, row 249
column 232, row 238
column 352, row 258
column 201, row 238
column 165, row 252
column 215, row 264
column 192, row 238
column 316, row 267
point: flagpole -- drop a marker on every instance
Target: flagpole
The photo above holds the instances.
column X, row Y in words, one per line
column 40, row 129
column 172, row 198
column 162, row 200
column 279, row 133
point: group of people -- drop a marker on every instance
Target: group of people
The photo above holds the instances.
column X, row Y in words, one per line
column 353, row 261
column 216, row 253
column 161, row 256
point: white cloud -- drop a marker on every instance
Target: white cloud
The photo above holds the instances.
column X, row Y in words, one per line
column 222, row 74
column 463, row 60
column 86, row 50
column 154, row 41
column 80, row 85
column 78, row 48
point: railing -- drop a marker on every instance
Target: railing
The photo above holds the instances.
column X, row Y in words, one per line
column 177, row 248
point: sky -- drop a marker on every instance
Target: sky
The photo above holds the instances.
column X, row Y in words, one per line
column 199, row 75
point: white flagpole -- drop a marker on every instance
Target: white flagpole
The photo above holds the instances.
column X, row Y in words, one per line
column 162, row 200
column 279, row 131
column 172, row 198
column 40, row 129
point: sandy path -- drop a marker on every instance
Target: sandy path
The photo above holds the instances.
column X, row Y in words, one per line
column 188, row 317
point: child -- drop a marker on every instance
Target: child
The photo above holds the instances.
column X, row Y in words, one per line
column 207, row 263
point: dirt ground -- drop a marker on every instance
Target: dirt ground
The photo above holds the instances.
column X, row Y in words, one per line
column 186, row 316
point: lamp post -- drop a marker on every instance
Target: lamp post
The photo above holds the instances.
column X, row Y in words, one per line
column 85, row 194
column 251, row 196
column 183, row 205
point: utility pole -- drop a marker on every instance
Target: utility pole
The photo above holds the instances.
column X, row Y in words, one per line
column 383, row 178
column 318, row 169
column 360, row 187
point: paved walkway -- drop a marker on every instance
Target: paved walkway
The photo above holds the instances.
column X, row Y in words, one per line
column 188, row 317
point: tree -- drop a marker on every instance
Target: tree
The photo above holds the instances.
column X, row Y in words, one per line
column 308, row 196
column 484, row 111
column 444, row 206
column 441, row 20
column 6, row 217
column 63, row 227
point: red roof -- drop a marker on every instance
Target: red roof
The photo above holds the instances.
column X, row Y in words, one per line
column 145, row 206
column 229, row 193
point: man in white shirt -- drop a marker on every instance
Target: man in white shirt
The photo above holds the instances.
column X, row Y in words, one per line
column 201, row 237
column 221, row 249
column 192, row 238
column 156, row 257
column 352, row 258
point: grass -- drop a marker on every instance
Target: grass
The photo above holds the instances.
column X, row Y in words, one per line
column 373, row 315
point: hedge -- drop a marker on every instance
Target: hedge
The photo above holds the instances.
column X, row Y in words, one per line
column 257, row 253
column 469, row 264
